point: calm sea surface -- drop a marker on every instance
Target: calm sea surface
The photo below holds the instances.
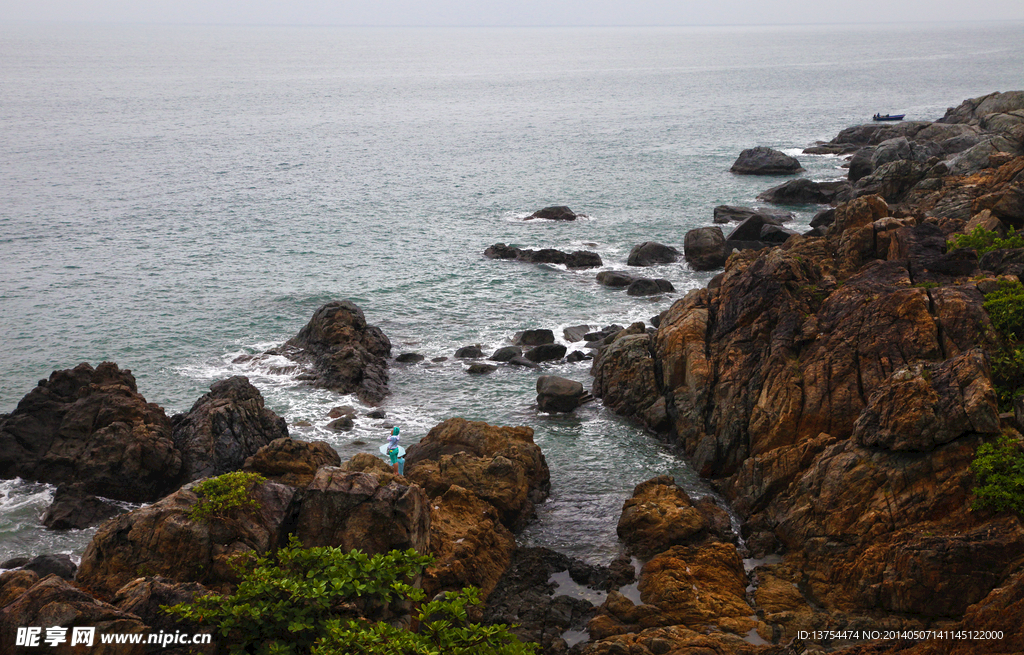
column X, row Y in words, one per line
column 172, row 197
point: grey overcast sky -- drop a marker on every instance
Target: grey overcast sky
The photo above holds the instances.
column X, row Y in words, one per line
column 511, row 12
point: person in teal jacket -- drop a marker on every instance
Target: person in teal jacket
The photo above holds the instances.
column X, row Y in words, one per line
column 397, row 463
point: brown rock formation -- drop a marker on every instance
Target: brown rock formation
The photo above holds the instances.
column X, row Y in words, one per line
column 501, row 465
column 470, row 544
column 161, row 540
column 374, row 513
column 91, row 426
column 55, row 602
column 293, row 462
column 660, row 515
column 346, row 354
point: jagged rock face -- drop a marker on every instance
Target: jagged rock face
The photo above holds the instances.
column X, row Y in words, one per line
column 839, row 404
column 291, row 461
column 160, row 539
column 624, row 379
column 501, row 465
column 91, row 426
column 353, row 509
column 54, row 601
column 470, row 545
column 927, row 404
column 223, row 428
column 346, row 354
column 660, row 515
column 144, row 597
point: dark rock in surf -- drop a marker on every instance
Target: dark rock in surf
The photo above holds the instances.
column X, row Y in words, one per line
column 556, row 394
column 732, row 214
column 223, row 428
column 615, row 279
column 346, row 354
column 649, row 287
column 341, row 424
column 776, row 234
column 519, row 360
column 409, row 358
column 650, row 253
column 506, row 353
column 469, row 352
column 806, row 192
column 91, row 426
column 704, row 248
column 59, row 565
column 75, row 509
column 533, row 337
column 573, row 260
column 765, row 161
column 555, row 213
column 575, row 333
column 546, row 353
column 481, row 369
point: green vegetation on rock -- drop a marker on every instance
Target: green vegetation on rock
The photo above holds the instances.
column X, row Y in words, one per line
column 999, row 470
column 984, row 241
column 220, row 495
column 1005, row 307
column 306, row 600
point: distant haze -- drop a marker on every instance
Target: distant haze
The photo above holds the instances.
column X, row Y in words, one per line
column 510, row 12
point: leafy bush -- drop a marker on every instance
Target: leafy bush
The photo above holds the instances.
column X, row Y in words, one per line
column 1008, row 375
column 999, row 470
column 220, row 495
column 1005, row 307
column 287, row 604
column 985, row 241
column 444, row 629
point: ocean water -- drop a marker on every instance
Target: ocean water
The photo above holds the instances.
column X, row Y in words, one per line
column 172, row 197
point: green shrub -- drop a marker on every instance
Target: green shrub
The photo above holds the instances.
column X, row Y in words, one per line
column 999, row 470
column 444, row 629
column 1005, row 307
column 285, row 605
column 985, row 241
column 220, row 495
column 1008, row 375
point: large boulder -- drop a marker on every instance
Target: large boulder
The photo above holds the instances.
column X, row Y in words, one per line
column 536, row 337
column 161, row 539
column 554, row 213
column 345, row 353
column 56, row 602
column 649, row 287
column 660, row 515
column 91, row 427
column 223, row 428
column 750, row 229
column 624, row 379
column 547, row 352
column 807, row 192
column 650, row 253
column 704, row 248
column 291, row 461
column 470, row 545
column 555, row 394
column 765, row 161
column 501, row 465
column 374, row 512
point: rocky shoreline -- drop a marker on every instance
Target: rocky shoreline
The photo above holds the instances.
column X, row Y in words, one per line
column 834, row 386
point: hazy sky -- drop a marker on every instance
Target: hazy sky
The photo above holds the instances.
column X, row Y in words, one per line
column 511, row 12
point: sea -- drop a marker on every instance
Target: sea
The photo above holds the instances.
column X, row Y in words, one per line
column 172, row 197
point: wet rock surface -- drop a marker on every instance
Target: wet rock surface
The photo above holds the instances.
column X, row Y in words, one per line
column 345, row 353
column 765, row 161
column 574, row 260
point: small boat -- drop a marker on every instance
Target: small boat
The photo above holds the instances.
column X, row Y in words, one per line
column 888, row 117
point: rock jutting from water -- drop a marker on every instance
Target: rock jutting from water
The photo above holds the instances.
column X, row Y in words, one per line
column 574, row 260
column 343, row 351
column 765, row 161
